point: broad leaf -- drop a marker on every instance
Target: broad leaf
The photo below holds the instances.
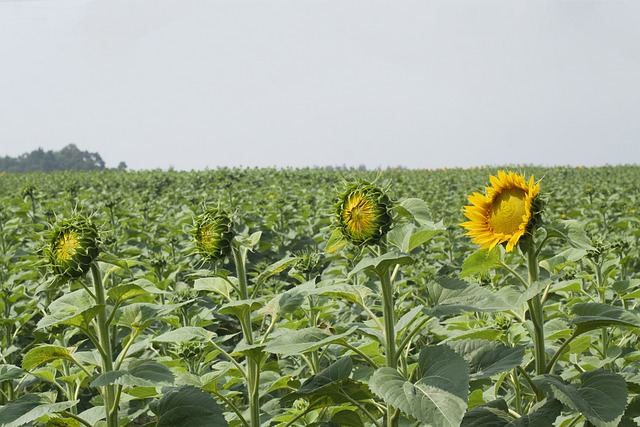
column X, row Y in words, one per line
column 10, row 372
column 601, row 398
column 186, row 334
column 43, row 354
column 452, row 296
column 439, row 397
column 146, row 373
column 290, row 343
column 336, row 242
column 187, row 407
column 487, row 358
column 275, row 268
column 76, row 308
column 571, row 231
column 141, row 315
column 382, row 263
column 30, row 407
column 482, row 260
column 597, row 315
column 415, row 209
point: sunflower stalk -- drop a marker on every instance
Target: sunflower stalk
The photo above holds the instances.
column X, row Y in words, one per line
column 109, row 392
column 537, row 313
column 253, row 370
column 388, row 310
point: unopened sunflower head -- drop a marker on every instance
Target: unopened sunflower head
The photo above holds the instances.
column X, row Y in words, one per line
column 363, row 213
column 213, row 234
column 74, row 245
column 509, row 210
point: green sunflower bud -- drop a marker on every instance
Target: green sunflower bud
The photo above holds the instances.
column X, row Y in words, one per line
column 73, row 246
column 213, row 234
column 363, row 213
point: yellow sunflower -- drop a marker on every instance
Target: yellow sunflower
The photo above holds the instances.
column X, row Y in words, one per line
column 505, row 213
column 363, row 213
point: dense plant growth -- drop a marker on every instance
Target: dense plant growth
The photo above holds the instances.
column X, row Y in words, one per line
column 262, row 297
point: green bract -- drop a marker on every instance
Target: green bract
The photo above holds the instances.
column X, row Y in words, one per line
column 213, row 234
column 73, row 246
column 363, row 213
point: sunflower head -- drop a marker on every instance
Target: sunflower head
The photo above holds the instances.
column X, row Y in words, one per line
column 363, row 213
column 509, row 210
column 73, row 246
column 213, row 234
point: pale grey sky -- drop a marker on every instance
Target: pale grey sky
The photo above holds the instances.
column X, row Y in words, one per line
column 423, row 84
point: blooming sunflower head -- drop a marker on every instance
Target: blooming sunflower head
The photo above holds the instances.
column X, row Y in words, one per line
column 213, row 234
column 73, row 246
column 509, row 209
column 363, row 213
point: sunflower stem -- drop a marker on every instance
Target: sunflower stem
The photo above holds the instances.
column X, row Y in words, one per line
column 388, row 311
column 537, row 313
column 253, row 370
column 110, row 405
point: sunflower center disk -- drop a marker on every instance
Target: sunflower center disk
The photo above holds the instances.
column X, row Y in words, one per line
column 67, row 246
column 508, row 211
column 360, row 218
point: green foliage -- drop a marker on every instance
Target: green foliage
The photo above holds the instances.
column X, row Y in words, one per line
column 293, row 320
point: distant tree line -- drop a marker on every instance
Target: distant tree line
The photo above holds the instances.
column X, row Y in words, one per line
column 68, row 158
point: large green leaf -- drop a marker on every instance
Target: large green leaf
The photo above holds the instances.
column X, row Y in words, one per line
column 438, row 398
column 186, row 334
column 409, row 236
column 601, row 397
column 10, row 372
column 571, row 231
column 496, row 414
column 145, row 373
column 187, row 407
column 487, row 358
column 239, row 308
column 542, row 414
column 275, row 268
column 45, row 353
column 482, row 260
column 219, row 285
column 382, row 263
column 332, row 385
column 30, row 407
column 352, row 293
column 124, row 292
column 77, row 308
column 567, row 257
column 336, row 242
column 141, row 315
column 597, row 315
column 415, row 209
column 452, row 296
column 491, row 414
column 293, row 342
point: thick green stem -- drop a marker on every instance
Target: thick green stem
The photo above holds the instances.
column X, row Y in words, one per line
column 110, row 404
column 389, row 318
column 253, row 370
column 537, row 314
column 559, row 352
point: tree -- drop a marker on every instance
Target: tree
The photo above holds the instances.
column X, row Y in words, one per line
column 68, row 158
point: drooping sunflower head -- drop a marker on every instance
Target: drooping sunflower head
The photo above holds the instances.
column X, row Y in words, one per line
column 213, row 234
column 509, row 209
column 74, row 245
column 363, row 213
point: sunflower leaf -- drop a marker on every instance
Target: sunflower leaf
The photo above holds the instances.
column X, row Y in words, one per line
column 482, row 260
column 572, row 232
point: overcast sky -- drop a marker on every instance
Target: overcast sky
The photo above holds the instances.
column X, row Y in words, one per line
column 192, row 84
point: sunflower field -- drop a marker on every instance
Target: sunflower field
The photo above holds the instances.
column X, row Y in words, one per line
column 487, row 297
